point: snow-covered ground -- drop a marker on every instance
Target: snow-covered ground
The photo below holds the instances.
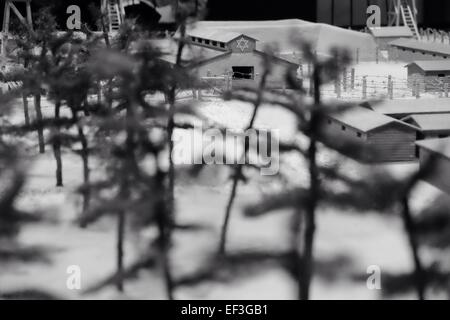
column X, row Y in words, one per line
column 355, row 240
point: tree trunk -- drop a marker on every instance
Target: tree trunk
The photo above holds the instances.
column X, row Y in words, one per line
column 171, row 173
column 120, row 249
column 109, row 88
column 99, row 93
column 164, row 227
column 224, row 230
column 307, row 260
column 40, row 130
column 57, row 148
column 25, row 109
column 238, row 171
column 419, row 271
column 170, row 129
column 86, row 170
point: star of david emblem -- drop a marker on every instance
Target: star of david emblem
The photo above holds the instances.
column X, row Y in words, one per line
column 242, row 44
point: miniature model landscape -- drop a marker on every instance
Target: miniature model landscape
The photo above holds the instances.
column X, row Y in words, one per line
column 385, row 122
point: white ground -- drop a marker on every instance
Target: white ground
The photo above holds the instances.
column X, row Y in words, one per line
column 367, row 239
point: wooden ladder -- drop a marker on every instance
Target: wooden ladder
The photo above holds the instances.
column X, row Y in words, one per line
column 409, row 18
column 114, row 15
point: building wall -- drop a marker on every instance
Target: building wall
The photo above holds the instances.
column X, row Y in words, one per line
column 436, row 13
column 415, row 70
column 341, row 130
column 347, row 13
column 222, row 66
column 394, row 143
column 440, row 175
column 432, row 13
column 251, row 43
column 248, row 10
column 411, row 56
column 429, row 82
column 344, row 136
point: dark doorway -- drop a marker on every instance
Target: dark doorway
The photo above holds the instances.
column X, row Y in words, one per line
column 419, row 136
column 243, row 72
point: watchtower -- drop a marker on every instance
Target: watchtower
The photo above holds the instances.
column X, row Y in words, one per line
column 26, row 19
column 403, row 12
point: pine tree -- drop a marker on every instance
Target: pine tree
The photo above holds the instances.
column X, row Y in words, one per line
column 139, row 196
column 13, row 172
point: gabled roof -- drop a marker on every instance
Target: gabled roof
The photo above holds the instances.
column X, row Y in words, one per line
column 413, row 106
column 438, row 146
column 390, row 32
column 197, row 54
column 192, row 54
column 432, row 65
column 366, row 120
column 429, row 47
column 431, row 122
column 217, row 35
column 280, row 58
column 322, row 37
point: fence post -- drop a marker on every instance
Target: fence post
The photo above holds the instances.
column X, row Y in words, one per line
column 377, row 55
column 364, row 87
column 338, row 88
column 344, row 80
column 352, row 80
column 390, row 88
column 311, row 87
column 357, row 55
column 417, row 84
column 226, row 79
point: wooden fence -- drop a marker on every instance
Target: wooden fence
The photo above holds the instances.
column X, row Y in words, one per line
column 350, row 86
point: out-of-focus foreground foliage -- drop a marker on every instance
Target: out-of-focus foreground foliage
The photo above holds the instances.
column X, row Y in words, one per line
column 99, row 87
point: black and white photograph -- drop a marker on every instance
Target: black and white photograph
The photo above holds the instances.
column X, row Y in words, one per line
column 218, row 150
